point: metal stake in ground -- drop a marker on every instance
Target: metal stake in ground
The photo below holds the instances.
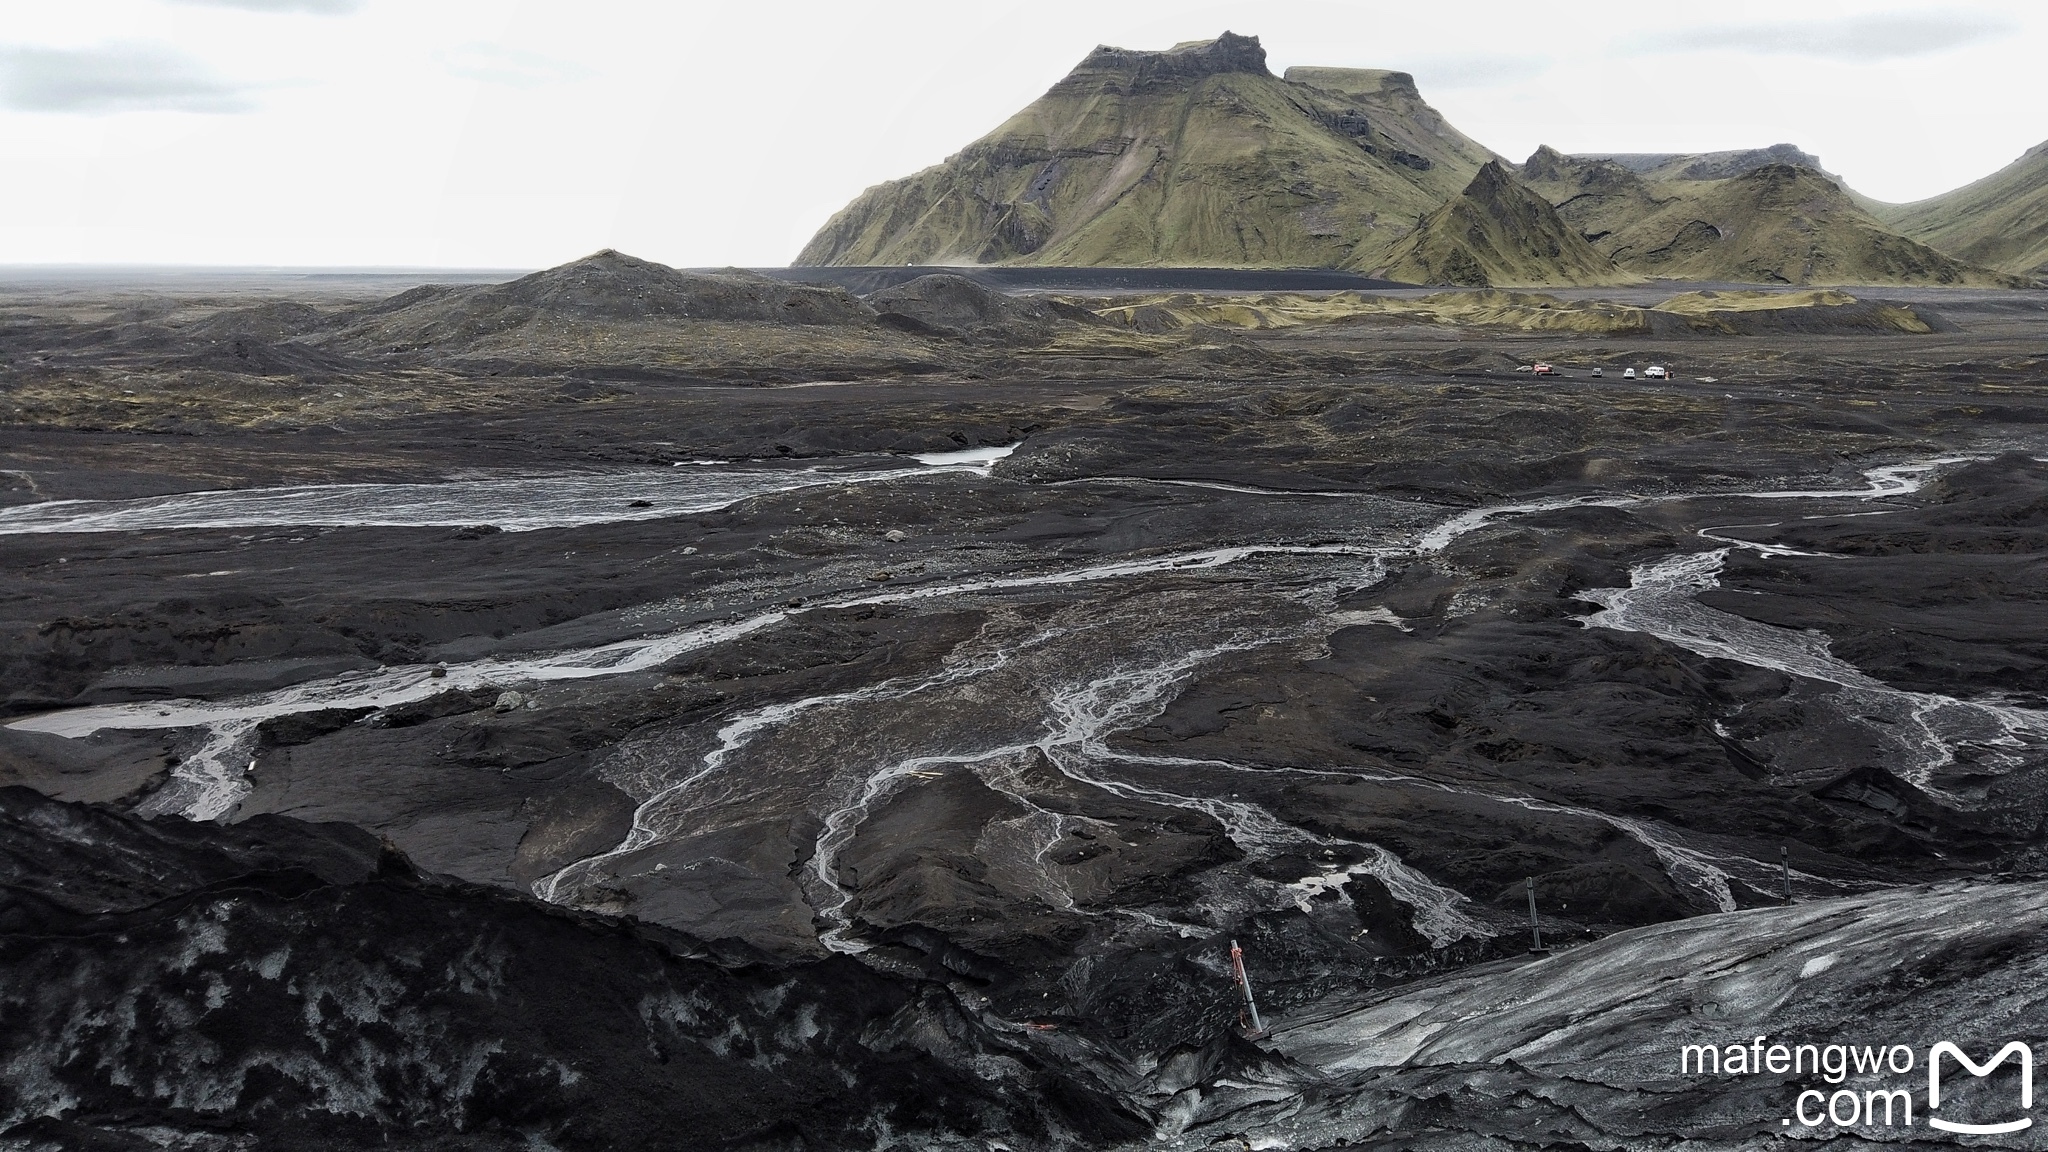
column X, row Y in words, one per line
column 1535, row 929
column 1785, row 859
column 1249, row 1018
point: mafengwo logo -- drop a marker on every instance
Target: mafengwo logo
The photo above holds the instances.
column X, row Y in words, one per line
column 2026, row 1064
column 1980, row 1100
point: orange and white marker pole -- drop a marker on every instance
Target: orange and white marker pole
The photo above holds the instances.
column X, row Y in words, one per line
column 1244, row 985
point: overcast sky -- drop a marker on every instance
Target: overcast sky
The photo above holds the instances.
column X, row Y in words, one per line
column 500, row 133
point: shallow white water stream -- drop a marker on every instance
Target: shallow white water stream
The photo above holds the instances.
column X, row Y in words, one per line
column 522, row 504
column 1095, row 690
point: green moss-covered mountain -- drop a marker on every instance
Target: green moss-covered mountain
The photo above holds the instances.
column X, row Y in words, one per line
column 1748, row 217
column 1200, row 156
column 2000, row 221
column 1193, row 156
column 1498, row 233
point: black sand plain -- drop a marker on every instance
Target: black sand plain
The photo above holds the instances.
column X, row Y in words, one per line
column 942, row 816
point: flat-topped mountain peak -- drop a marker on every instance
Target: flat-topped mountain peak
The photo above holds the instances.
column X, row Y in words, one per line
column 1186, row 61
column 1194, row 155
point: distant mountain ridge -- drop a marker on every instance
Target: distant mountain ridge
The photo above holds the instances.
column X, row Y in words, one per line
column 1198, row 156
column 1772, row 223
column 1708, row 165
column 2000, row 221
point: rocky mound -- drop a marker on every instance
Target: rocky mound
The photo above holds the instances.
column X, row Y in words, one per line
column 606, row 288
column 2000, row 221
column 614, row 286
column 944, row 304
column 1192, row 156
column 1496, row 233
column 268, row 322
column 284, row 985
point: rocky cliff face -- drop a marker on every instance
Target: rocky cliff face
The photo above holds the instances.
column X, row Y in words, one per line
column 1123, row 71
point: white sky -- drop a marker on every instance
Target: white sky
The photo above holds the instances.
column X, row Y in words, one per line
column 501, row 133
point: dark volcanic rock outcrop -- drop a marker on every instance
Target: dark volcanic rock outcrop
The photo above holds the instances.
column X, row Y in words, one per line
column 299, row 986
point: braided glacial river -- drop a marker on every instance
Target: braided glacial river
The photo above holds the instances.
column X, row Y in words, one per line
column 1070, row 655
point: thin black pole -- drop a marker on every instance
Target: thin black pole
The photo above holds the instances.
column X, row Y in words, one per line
column 1535, row 929
column 1785, row 860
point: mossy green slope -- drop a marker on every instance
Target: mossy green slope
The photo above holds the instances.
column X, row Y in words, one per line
column 2000, row 221
column 1773, row 224
column 1498, row 233
column 1193, row 156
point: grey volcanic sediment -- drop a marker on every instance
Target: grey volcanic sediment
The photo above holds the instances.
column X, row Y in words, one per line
column 623, row 705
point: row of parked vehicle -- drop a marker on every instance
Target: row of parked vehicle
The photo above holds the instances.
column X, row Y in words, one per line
column 1653, row 372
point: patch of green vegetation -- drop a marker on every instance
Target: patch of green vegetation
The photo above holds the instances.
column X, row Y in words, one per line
column 1701, row 303
column 1691, row 313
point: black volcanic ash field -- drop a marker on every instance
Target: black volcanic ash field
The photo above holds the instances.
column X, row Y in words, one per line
column 683, row 759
